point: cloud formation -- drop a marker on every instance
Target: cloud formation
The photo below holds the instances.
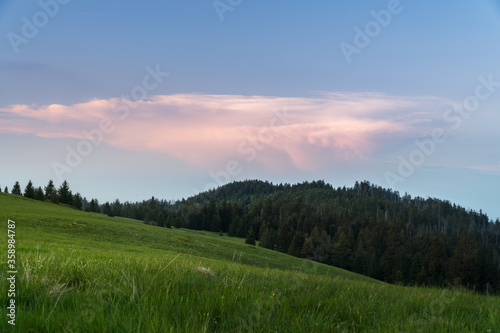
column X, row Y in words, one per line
column 493, row 169
column 209, row 130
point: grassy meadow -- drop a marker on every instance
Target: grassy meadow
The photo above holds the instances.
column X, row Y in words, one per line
column 86, row 272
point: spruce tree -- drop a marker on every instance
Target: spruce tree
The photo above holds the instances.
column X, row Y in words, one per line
column 39, row 194
column 49, row 189
column 178, row 222
column 16, row 189
column 268, row 238
column 243, row 227
column 169, row 222
column 225, row 215
column 96, row 208
column 54, row 197
column 436, row 262
column 250, row 237
column 117, row 208
column 29, row 191
column 160, row 219
column 341, row 254
column 464, row 266
column 65, row 195
column 235, row 225
column 107, row 209
column 263, row 227
column 310, row 244
column 93, row 206
column 215, row 224
column 77, row 201
column 128, row 211
column 295, row 248
column 6, row 190
column 283, row 239
column 324, row 248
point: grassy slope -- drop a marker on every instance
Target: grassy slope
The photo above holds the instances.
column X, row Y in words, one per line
column 90, row 273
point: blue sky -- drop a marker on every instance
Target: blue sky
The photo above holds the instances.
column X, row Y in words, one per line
column 228, row 80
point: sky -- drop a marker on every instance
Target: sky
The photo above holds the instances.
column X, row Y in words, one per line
column 128, row 99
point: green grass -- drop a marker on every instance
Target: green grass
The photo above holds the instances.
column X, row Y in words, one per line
column 84, row 272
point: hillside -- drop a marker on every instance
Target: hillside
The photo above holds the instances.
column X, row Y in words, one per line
column 365, row 229
column 86, row 272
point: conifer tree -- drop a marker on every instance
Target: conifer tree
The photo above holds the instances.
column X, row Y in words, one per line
column 39, row 194
column 215, row 224
column 117, row 208
column 250, row 237
column 243, row 226
column 268, row 238
column 64, row 193
column 295, row 248
column 6, row 190
column 436, row 262
column 77, row 201
column 341, row 254
column 16, row 189
column 54, row 197
column 169, row 222
column 107, row 209
column 359, row 259
column 160, row 219
column 93, row 206
column 225, row 215
column 464, row 266
column 263, row 227
column 324, row 248
column 235, row 225
column 128, row 211
column 29, row 191
column 310, row 245
column 49, row 190
column 283, row 240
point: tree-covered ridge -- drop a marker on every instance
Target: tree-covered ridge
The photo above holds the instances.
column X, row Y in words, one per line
column 366, row 229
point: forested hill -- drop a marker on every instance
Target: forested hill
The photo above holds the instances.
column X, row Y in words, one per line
column 245, row 192
column 366, row 229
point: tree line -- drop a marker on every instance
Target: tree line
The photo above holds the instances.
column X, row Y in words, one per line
column 366, row 228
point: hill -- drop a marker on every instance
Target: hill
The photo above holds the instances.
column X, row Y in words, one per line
column 86, row 272
column 365, row 229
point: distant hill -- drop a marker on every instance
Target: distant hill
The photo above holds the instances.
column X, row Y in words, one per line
column 242, row 192
column 366, row 229
column 249, row 191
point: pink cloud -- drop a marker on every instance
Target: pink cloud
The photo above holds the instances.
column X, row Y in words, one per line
column 490, row 169
column 209, row 130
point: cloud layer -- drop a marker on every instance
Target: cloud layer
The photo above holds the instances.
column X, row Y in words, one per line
column 210, row 130
column 493, row 169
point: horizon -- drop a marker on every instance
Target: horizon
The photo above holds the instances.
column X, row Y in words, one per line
column 176, row 200
column 168, row 100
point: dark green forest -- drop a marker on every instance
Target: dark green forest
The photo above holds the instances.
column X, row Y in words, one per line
column 365, row 229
